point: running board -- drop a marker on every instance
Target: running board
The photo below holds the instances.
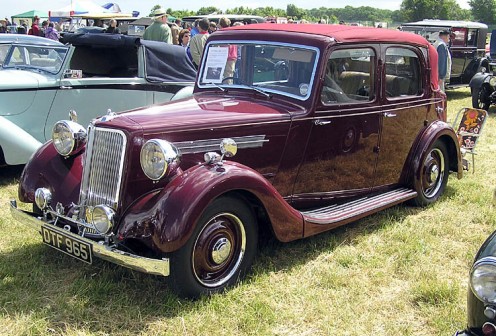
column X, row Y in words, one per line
column 358, row 208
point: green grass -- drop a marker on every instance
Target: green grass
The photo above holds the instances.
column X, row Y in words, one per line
column 400, row 272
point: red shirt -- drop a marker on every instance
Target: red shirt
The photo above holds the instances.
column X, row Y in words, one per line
column 35, row 30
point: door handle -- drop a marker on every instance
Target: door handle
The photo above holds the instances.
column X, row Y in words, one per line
column 63, row 87
column 320, row 122
column 389, row 115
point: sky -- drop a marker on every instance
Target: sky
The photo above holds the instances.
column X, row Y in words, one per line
column 9, row 8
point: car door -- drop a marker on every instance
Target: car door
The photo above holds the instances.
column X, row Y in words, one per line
column 341, row 153
column 90, row 85
column 459, row 54
column 405, row 104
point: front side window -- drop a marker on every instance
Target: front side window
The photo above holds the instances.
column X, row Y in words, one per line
column 349, row 77
column 403, row 76
column 472, row 38
column 267, row 68
column 44, row 58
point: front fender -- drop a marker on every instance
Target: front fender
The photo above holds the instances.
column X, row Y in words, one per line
column 478, row 79
column 165, row 219
column 48, row 169
column 434, row 131
column 17, row 144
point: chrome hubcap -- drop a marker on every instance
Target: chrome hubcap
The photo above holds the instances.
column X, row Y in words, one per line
column 221, row 250
column 434, row 173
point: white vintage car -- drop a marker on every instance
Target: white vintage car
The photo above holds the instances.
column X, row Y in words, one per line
column 88, row 74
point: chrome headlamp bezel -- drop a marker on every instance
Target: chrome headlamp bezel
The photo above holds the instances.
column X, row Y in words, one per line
column 68, row 137
column 492, row 81
column 483, row 279
column 158, row 158
column 42, row 198
column 102, row 218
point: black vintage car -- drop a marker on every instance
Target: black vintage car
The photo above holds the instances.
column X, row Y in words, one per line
column 481, row 298
column 483, row 84
column 467, row 46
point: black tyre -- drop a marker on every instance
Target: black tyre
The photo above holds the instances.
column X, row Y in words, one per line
column 434, row 172
column 218, row 253
column 480, row 98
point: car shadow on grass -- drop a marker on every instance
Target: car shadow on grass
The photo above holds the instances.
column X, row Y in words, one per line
column 62, row 291
column 10, row 174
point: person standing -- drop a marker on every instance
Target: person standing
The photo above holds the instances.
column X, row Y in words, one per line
column 197, row 42
column 112, row 28
column 51, row 33
column 444, row 58
column 158, row 30
column 35, row 29
column 175, row 29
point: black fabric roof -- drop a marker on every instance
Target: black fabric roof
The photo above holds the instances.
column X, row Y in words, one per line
column 163, row 62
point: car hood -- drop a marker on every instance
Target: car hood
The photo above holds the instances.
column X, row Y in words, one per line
column 22, row 79
column 207, row 112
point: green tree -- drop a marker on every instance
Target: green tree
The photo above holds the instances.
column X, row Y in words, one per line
column 295, row 12
column 208, row 10
column 483, row 10
column 415, row 10
column 153, row 9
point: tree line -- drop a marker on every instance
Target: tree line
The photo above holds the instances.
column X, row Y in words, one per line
column 410, row 10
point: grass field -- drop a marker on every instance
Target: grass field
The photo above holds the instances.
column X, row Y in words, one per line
column 400, row 272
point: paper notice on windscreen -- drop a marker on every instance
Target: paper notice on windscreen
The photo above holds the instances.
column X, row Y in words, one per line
column 215, row 65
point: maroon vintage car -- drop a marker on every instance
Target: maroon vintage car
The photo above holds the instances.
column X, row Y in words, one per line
column 328, row 123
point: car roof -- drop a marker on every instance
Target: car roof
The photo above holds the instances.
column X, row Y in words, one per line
column 29, row 39
column 446, row 23
column 340, row 33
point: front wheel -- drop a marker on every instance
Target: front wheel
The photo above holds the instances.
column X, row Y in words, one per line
column 480, row 98
column 433, row 177
column 218, row 253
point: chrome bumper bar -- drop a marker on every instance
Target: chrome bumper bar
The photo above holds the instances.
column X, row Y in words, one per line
column 105, row 252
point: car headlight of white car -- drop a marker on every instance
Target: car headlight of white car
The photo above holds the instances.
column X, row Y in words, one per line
column 483, row 279
column 158, row 158
column 68, row 137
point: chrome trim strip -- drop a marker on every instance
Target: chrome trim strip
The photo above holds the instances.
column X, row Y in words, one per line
column 210, row 145
column 102, row 251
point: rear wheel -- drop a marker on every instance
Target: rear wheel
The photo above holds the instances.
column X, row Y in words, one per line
column 480, row 97
column 218, row 253
column 433, row 175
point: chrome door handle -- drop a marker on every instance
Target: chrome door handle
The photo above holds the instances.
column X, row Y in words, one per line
column 389, row 115
column 320, row 122
column 63, row 87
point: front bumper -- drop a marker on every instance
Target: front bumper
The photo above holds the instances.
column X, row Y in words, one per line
column 102, row 251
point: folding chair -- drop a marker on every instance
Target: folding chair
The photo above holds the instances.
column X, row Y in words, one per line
column 469, row 130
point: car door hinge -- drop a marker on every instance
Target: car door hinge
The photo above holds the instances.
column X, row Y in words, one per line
column 376, row 149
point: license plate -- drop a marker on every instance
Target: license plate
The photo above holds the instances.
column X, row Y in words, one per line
column 68, row 245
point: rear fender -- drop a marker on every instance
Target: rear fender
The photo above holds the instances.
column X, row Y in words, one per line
column 436, row 130
column 17, row 144
column 165, row 219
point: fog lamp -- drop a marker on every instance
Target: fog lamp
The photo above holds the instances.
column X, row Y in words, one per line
column 103, row 218
column 42, row 198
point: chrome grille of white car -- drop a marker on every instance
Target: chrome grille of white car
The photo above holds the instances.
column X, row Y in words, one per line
column 103, row 165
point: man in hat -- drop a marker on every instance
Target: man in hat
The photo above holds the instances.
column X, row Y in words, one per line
column 444, row 58
column 158, row 30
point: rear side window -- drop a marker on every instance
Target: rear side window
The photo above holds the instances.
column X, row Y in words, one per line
column 403, row 75
column 349, row 76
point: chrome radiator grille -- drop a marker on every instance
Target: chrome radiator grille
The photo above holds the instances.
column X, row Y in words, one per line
column 103, row 165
